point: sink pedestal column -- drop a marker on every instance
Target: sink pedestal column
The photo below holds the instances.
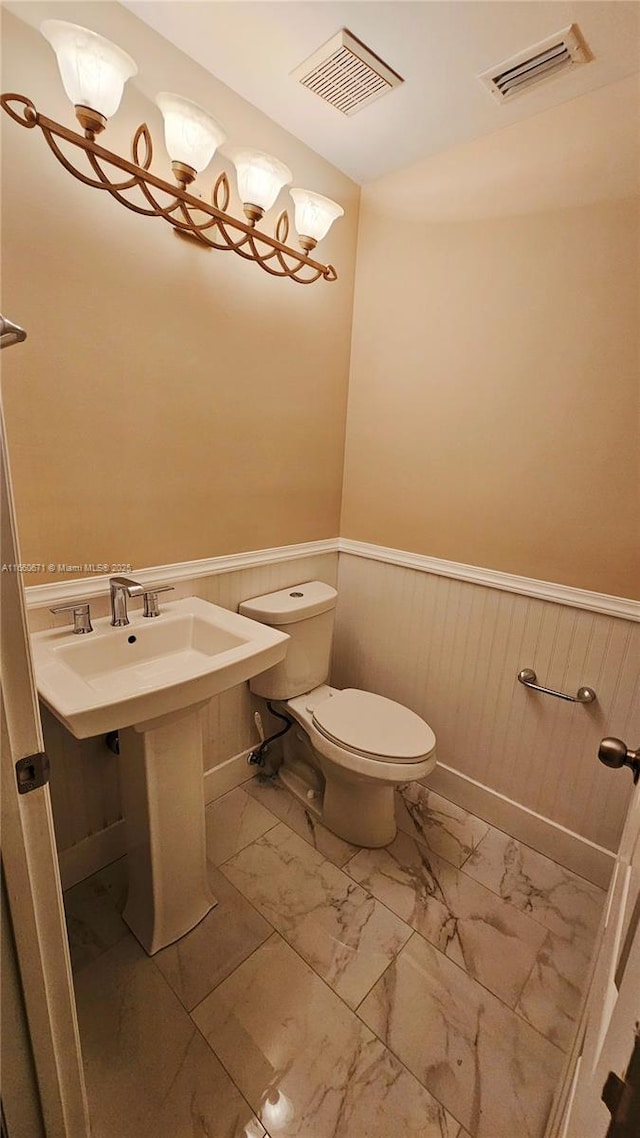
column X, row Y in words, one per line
column 163, row 802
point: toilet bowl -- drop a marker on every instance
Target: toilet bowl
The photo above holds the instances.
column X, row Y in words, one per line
column 349, row 748
column 363, row 745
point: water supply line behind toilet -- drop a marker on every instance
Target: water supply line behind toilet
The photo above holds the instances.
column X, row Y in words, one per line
column 257, row 756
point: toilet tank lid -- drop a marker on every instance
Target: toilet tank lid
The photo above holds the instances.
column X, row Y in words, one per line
column 297, row 602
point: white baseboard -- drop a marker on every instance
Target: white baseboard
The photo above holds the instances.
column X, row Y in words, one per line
column 564, row 846
column 227, row 775
column 100, row 849
column 92, row 854
column 554, row 841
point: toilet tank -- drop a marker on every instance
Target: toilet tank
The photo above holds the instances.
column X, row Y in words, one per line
column 305, row 612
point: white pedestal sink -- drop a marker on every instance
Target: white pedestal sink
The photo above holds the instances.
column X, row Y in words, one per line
column 150, row 681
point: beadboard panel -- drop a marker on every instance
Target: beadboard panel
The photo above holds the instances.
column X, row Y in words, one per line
column 85, row 789
column 451, row 651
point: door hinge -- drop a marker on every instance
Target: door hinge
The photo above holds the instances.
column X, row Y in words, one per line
column 32, row 772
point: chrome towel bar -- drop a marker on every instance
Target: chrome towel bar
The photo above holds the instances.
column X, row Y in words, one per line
column 583, row 695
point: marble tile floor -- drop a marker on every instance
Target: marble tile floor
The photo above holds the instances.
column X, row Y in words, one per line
column 424, row 990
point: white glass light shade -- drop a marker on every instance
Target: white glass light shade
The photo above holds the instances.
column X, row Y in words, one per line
column 93, row 70
column 260, row 177
column 315, row 214
column 191, row 135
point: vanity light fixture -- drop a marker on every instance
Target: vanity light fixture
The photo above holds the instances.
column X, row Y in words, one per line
column 94, row 72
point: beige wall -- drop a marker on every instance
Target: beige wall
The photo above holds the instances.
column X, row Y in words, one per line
column 493, row 402
column 169, row 403
column 172, row 403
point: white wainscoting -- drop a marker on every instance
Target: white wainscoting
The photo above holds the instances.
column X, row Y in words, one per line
column 451, row 649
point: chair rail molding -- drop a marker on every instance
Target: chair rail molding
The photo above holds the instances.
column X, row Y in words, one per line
column 623, row 607
column 96, row 585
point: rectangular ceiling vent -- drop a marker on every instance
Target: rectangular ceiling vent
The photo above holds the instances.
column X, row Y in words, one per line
column 346, row 74
column 556, row 55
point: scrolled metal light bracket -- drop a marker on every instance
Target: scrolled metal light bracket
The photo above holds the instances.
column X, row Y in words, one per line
column 207, row 223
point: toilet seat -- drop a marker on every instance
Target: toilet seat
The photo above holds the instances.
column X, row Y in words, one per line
column 373, row 727
column 346, row 766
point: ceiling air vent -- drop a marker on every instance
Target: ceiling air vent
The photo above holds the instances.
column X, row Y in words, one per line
column 346, row 74
column 562, row 52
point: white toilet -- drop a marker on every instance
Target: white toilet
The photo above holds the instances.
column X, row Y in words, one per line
column 350, row 748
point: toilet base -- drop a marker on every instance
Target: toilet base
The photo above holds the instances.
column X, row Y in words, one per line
column 361, row 814
column 299, row 785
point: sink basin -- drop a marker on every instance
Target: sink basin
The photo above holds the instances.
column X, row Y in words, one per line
column 119, row 677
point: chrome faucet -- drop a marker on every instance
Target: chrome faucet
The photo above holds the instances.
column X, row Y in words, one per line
column 120, row 588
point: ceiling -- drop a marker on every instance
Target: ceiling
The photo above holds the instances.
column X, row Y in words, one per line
column 437, row 46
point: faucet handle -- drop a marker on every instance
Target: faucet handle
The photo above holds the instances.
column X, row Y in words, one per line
column 151, row 599
column 81, row 615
